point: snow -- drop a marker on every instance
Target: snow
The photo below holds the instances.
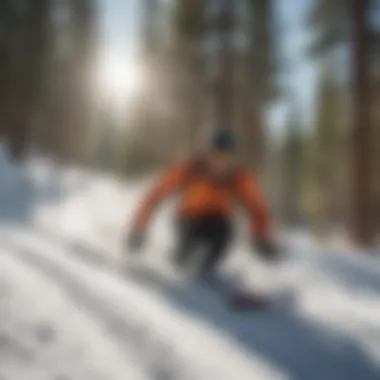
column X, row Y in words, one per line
column 73, row 306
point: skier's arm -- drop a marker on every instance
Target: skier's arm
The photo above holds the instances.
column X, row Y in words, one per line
column 251, row 198
column 164, row 187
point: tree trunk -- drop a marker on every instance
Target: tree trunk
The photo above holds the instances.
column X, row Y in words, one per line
column 224, row 108
column 259, row 72
column 363, row 175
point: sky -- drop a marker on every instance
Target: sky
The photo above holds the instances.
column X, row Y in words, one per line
column 119, row 25
column 119, row 32
column 302, row 75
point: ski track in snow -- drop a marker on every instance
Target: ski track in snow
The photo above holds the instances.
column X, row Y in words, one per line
column 69, row 310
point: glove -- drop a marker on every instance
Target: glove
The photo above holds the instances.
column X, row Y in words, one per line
column 134, row 242
column 266, row 249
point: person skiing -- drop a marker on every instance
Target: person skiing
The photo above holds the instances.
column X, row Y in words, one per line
column 209, row 186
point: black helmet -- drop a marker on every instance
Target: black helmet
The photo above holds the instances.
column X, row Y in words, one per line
column 222, row 138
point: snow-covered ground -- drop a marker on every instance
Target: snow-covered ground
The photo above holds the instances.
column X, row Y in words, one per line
column 71, row 308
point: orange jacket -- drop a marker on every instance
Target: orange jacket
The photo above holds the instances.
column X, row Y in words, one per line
column 202, row 196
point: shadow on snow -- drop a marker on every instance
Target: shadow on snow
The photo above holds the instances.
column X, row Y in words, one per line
column 301, row 348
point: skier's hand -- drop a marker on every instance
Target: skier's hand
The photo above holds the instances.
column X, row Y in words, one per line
column 134, row 242
column 266, row 249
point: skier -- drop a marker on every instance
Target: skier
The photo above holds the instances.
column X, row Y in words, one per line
column 209, row 185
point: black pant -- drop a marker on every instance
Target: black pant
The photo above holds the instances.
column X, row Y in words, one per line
column 212, row 232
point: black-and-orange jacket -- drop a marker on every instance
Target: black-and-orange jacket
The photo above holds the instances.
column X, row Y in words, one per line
column 201, row 195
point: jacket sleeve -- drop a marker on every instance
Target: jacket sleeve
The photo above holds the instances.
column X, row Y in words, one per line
column 170, row 182
column 251, row 198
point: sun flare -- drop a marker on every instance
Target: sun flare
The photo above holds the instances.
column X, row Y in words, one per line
column 119, row 78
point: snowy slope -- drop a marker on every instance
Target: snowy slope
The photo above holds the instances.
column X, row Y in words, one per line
column 70, row 307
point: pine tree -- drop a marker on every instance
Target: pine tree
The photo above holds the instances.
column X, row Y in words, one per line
column 345, row 23
column 292, row 168
column 326, row 152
